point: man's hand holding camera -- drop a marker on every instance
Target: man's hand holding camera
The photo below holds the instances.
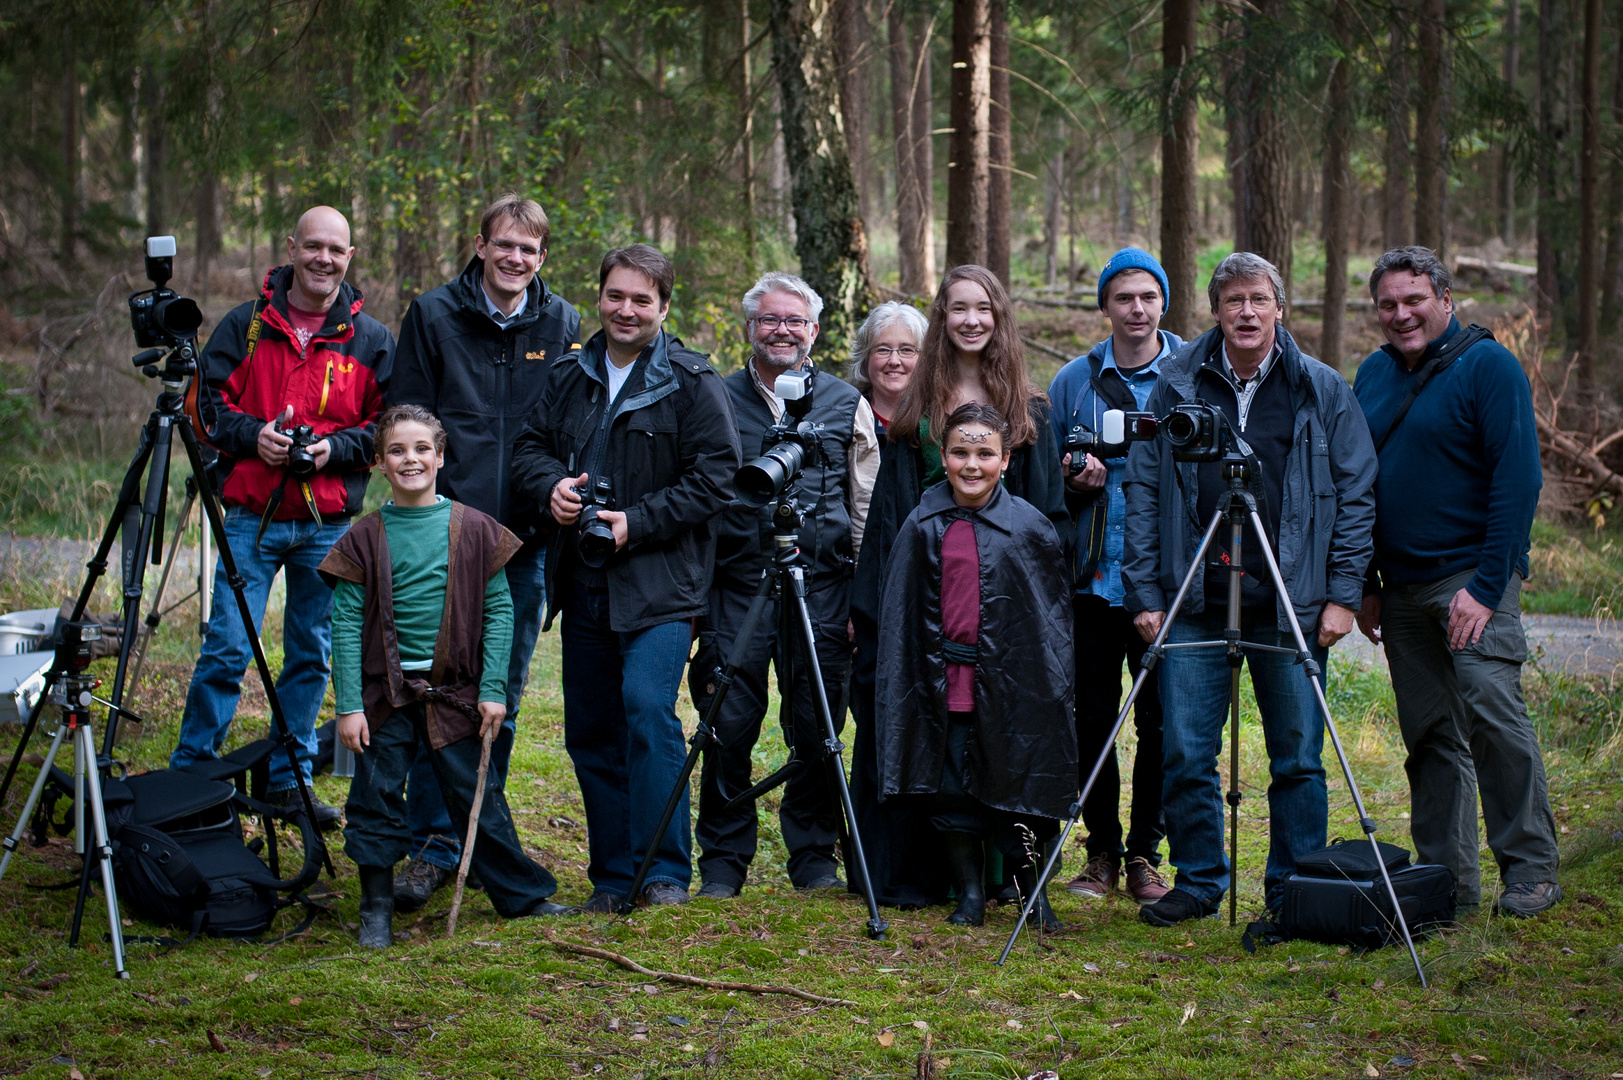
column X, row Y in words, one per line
column 274, row 445
column 566, row 507
column 1090, row 479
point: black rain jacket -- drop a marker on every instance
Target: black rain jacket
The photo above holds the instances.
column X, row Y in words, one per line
column 670, row 457
column 483, row 381
column 1022, row 752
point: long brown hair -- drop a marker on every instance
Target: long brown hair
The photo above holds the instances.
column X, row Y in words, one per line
column 1003, row 368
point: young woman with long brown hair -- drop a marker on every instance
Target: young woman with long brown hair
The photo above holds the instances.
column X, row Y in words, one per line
column 971, row 352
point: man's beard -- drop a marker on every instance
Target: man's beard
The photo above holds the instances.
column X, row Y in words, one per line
column 765, row 358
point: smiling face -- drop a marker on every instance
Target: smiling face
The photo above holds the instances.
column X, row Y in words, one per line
column 969, row 316
column 891, row 360
column 512, row 256
column 320, row 252
column 631, row 311
column 974, row 458
column 1412, row 316
column 781, row 334
column 1133, row 302
column 411, row 463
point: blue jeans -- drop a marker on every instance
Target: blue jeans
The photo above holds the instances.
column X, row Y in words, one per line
column 1195, row 700
column 622, row 734
column 433, row 838
column 296, row 548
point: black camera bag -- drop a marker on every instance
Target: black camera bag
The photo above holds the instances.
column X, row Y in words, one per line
column 1336, row 896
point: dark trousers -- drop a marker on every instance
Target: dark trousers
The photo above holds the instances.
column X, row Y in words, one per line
column 377, row 832
column 809, row 813
column 1105, row 636
column 1019, row 837
column 1466, row 728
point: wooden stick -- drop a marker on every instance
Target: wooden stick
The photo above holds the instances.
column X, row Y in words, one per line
column 473, row 829
column 689, row 980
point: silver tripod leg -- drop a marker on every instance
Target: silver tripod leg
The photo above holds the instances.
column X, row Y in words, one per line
column 1153, row 656
column 103, row 851
column 40, row 781
column 1310, row 666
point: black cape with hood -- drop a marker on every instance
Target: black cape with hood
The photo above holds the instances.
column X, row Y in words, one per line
column 1022, row 751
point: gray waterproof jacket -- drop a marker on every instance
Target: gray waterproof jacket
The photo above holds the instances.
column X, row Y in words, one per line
column 1327, row 511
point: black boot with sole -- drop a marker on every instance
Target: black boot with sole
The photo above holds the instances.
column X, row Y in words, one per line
column 377, row 907
column 964, row 856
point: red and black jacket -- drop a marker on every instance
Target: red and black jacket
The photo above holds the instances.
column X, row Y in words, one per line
column 335, row 385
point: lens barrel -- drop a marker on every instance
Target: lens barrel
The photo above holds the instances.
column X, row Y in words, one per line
column 764, row 479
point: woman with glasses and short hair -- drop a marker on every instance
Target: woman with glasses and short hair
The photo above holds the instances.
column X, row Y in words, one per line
column 883, row 352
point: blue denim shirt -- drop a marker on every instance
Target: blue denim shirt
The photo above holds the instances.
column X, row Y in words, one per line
column 1075, row 402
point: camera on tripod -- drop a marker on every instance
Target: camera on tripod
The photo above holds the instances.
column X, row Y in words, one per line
column 787, row 447
column 301, row 464
column 1117, row 432
column 1198, row 432
column 596, row 542
column 161, row 317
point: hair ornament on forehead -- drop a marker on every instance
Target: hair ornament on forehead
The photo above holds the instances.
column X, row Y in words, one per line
column 974, row 436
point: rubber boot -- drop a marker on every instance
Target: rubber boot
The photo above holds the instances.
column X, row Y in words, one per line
column 1041, row 914
column 377, row 907
column 964, row 856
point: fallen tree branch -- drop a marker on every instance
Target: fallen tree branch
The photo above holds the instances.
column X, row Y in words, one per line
column 1040, row 347
column 1568, row 447
column 688, row 980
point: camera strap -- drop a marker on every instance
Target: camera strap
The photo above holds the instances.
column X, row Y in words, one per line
column 1433, row 367
column 275, row 503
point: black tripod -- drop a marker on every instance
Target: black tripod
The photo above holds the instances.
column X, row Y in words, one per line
column 1239, row 506
column 152, row 460
column 784, row 580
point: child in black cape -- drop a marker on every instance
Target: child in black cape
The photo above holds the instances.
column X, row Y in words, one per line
column 975, row 673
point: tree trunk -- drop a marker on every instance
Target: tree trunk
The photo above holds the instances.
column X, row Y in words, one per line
column 1397, row 229
column 70, row 145
column 746, row 133
column 909, row 82
column 1180, row 135
column 999, row 148
column 1268, row 168
column 1237, row 128
column 1548, row 279
column 1052, row 207
column 415, row 241
column 830, row 237
column 1589, row 201
column 155, row 150
column 1614, row 207
column 852, row 42
column 968, row 171
column 1338, row 196
column 1431, row 168
column 1507, row 161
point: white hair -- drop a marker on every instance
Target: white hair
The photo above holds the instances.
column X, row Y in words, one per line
column 878, row 321
column 777, row 281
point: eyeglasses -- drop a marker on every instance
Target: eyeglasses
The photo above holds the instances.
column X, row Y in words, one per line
column 794, row 324
column 509, row 247
column 1236, row 304
column 885, row 352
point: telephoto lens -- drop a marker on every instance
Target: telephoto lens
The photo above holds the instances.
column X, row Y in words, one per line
column 764, row 479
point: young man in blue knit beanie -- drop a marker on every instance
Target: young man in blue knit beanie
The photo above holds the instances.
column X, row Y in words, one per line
column 1116, row 374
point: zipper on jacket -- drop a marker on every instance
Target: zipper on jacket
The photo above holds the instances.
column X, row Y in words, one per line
column 326, row 386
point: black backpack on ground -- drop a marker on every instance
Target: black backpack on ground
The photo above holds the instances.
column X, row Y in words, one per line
column 179, row 854
column 1336, row 896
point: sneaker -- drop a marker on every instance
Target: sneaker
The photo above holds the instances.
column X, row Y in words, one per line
column 663, row 892
column 602, row 902
column 327, row 816
column 1097, row 879
column 1175, row 907
column 1144, row 882
column 1524, row 899
column 718, row 890
column 826, row 881
column 419, row 881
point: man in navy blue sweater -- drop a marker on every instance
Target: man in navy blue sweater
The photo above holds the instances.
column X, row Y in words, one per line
column 1451, row 413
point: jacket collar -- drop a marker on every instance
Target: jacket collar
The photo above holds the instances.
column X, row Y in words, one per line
column 998, row 513
column 658, row 373
column 1434, row 347
column 1180, row 370
column 470, row 288
column 340, row 317
column 1106, row 351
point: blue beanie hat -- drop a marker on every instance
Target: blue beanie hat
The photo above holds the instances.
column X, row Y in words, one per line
column 1132, row 258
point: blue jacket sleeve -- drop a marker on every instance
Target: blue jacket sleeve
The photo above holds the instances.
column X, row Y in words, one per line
column 1504, row 402
column 1353, row 468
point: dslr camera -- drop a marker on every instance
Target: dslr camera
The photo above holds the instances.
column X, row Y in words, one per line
column 301, row 464
column 1117, row 432
column 1197, row 432
column 160, row 317
column 786, row 448
column 596, row 540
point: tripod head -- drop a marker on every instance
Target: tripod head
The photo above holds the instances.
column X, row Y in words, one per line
column 71, row 685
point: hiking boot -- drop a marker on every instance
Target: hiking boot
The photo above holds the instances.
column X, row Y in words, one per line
column 1175, row 907
column 825, row 881
column 1097, row 879
column 327, row 816
column 718, row 890
column 663, row 892
column 964, row 857
column 1524, row 899
column 417, row 883
column 602, row 902
column 1144, row 882
column 377, row 907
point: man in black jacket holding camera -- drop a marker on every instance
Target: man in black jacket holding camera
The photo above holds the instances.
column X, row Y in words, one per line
column 833, row 491
column 475, row 352
column 632, row 452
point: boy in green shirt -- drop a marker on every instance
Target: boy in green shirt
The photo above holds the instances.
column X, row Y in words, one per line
column 422, row 624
